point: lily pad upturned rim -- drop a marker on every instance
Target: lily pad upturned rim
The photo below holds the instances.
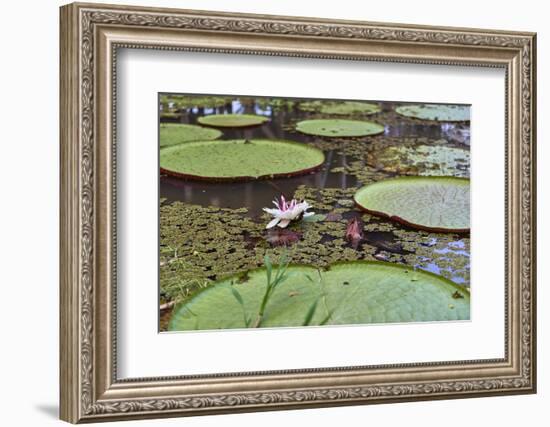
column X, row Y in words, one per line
column 242, row 276
column 242, row 178
column 256, row 118
column 403, row 221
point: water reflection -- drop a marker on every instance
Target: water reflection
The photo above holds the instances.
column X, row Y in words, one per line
column 256, row 194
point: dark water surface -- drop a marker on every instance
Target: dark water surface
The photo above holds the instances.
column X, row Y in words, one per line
column 255, row 195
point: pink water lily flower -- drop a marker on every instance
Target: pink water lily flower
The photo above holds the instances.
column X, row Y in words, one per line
column 287, row 212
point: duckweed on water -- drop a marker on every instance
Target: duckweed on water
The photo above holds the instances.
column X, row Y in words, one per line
column 202, row 244
column 422, row 160
column 436, row 112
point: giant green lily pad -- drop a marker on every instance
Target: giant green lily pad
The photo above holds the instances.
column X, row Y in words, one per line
column 232, row 120
column 340, row 107
column 440, row 204
column 239, row 159
column 176, row 133
column 360, row 292
column 425, row 160
column 438, row 112
column 339, row 128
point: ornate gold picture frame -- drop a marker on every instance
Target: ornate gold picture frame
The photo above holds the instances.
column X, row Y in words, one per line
column 91, row 35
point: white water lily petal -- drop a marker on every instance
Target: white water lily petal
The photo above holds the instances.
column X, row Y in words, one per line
column 272, row 212
column 272, row 223
column 287, row 211
column 283, row 223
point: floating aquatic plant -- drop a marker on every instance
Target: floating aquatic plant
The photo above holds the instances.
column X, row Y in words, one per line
column 439, row 204
column 358, row 292
column 285, row 212
column 239, row 160
column 425, row 160
column 177, row 133
column 438, row 112
column 192, row 101
column 354, row 231
column 339, row 128
column 232, row 120
column 340, row 107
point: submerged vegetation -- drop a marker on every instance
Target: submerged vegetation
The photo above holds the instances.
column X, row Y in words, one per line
column 370, row 223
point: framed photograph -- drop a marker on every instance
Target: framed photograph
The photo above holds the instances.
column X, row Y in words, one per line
column 267, row 212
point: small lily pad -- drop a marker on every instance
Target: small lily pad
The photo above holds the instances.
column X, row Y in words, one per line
column 437, row 112
column 314, row 218
column 170, row 115
column 339, row 128
column 194, row 101
column 176, row 133
column 440, row 204
column 340, row 107
column 239, row 160
column 232, row 120
column 359, row 292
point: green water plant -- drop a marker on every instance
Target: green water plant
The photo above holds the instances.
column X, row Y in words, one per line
column 239, row 159
column 177, row 133
column 425, row 160
column 440, row 204
column 232, row 120
column 285, row 212
column 340, row 107
column 359, row 292
column 338, row 128
column 437, row 112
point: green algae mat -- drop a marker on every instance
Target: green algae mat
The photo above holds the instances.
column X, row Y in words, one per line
column 359, row 292
column 339, row 128
column 175, row 133
column 239, row 159
column 232, row 120
column 426, row 160
column 340, row 108
column 440, row 204
column 442, row 113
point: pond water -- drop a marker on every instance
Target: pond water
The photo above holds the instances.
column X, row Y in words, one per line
column 258, row 194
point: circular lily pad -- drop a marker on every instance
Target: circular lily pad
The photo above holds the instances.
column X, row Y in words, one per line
column 232, row 120
column 440, row 204
column 192, row 101
column 359, row 292
column 339, row 128
column 170, row 115
column 437, row 112
column 175, row 133
column 340, row 107
column 239, row 159
column 425, row 160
